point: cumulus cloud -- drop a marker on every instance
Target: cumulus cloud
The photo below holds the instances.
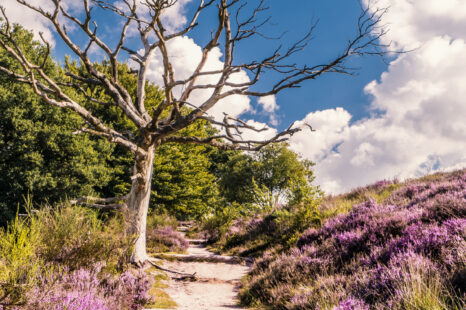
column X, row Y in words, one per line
column 252, row 135
column 29, row 19
column 270, row 106
column 185, row 55
column 419, row 127
column 414, row 22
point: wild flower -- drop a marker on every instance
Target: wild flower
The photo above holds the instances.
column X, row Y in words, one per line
column 352, row 303
column 166, row 238
column 85, row 289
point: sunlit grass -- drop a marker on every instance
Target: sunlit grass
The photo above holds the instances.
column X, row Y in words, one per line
column 161, row 299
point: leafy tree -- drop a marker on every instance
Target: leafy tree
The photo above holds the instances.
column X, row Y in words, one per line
column 275, row 173
column 153, row 128
column 40, row 156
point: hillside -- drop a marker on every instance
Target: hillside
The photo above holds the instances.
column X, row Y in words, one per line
column 403, row 247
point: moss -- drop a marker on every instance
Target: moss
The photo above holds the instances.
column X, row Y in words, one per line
column 161, row 299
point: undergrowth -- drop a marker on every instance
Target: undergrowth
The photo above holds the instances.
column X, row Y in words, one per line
column 68, row 258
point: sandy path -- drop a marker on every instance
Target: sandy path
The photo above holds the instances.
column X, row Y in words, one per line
column 216, row 287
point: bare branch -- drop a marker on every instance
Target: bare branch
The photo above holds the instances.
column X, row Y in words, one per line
column 153, row 36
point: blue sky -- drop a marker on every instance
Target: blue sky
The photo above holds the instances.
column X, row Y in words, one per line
column 396, row 119
column 336, row 23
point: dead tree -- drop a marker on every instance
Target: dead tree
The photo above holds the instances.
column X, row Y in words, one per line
column 237, row 21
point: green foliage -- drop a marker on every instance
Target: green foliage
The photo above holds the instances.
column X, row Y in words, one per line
column 216, row 226
column 77, row 237
column 158, row 220
column 19, row 264
column 183, row 184
column 276, row 230
column 269, row 198
column 275, row 171
column 39, row 154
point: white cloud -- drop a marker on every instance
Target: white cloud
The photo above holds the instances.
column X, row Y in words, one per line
column 421, row 128
column 248, row 134
column 29, row 19
column 414, row 22
column 174, row 17
column 331, row 128
column 270, row 106
column 185, row 55
column 35, row 22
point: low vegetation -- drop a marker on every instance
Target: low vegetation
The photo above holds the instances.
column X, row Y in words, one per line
column 75, row 259
column 162, row 235
column 402, row 248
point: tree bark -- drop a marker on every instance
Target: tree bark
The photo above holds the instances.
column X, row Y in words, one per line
column 138, row 205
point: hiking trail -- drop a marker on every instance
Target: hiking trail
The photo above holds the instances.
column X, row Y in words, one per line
column 216, row 282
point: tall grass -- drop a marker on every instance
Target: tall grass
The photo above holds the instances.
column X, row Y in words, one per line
column 19, row 264
column 68, row 258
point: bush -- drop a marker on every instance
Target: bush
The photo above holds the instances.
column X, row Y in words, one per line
column 19, row 265
column 166, row 239
column 76, row 237
column 162, row 235
column 156, row 220
column 89, row 289
column 58, row 241
column 279, row 229
column 216, row 227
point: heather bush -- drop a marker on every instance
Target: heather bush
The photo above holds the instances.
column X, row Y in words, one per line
column 48, row 260
column 166, row 239
column 89, row 289
column 406, row 251
column 162, row 235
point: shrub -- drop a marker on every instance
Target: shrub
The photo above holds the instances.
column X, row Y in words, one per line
column 89, row 289
column 19, row 265
column 57, row 242
column 166, row 239
column 76, row 237
column 216, row 227
column 279, row 229
column 162, row 235
column 155, row 220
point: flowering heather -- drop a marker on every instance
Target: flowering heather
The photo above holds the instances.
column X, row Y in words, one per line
column 352, row 304
column 166, row 239
column 85, row 290
column 405, row 252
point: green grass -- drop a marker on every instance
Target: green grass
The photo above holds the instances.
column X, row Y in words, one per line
column 161, row 299
column 342, row 204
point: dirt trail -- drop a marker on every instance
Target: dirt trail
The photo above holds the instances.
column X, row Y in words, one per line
column 217, row 284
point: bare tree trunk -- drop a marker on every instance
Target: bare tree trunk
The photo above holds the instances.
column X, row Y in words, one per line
column 138, row 205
